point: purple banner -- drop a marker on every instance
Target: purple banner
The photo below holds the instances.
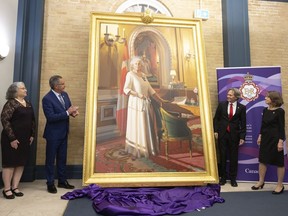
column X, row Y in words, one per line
column 253, row 82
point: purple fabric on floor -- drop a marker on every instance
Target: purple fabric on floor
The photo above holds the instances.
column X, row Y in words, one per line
column 148, row 201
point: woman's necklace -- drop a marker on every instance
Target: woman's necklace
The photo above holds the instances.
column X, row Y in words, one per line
column 23, row 102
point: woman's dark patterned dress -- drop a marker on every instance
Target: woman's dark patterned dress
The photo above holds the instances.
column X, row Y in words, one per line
column 18, row 123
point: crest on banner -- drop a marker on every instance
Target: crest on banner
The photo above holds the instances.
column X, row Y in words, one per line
column 249, row 90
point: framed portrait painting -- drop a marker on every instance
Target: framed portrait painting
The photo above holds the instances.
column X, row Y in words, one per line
column 148, row 117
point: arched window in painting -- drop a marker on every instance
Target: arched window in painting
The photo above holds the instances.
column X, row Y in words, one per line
column 145, row 47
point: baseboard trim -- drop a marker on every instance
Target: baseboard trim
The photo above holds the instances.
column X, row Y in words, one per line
column 32, row 173
column 72, row 172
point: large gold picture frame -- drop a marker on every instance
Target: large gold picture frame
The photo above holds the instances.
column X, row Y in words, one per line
column 180, row 48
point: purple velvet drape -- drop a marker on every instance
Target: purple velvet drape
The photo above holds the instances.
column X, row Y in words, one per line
column 148, row 201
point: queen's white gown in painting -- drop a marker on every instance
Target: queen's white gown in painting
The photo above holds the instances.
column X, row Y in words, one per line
column 141, row 139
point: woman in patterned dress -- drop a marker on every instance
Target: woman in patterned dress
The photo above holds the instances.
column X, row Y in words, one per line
column 18, row 132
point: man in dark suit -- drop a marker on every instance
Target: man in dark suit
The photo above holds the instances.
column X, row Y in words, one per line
column 230, row 129
column 57, row 108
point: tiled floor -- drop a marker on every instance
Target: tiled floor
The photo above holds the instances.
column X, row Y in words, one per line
column 38, row 202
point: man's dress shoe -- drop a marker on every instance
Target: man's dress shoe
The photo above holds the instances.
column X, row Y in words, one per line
column 222, row 181
column 234, row 183
column 65, row 185
column 51, row 188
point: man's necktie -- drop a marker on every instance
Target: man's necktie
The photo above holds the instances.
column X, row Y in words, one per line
column 61, row 100
column 230, row 116
column 231, row 111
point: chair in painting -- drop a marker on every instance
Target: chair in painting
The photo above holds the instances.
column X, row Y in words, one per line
column 174, row 129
